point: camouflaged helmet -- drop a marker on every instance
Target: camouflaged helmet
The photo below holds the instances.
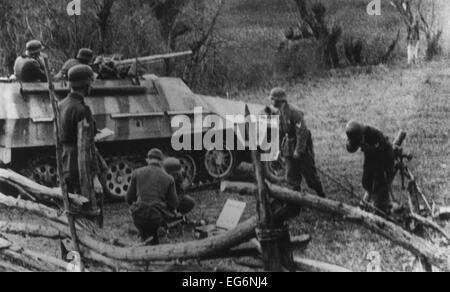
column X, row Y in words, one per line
column 155, row 154
column 85, row 55
column 278, row 94
column 80, row 75
column 33, row 47
column 172, row 165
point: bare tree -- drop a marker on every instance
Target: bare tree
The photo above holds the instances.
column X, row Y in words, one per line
column 203, row 40
column 103, row 13
column 167, row 12
column 312, row 24
column 419, row 17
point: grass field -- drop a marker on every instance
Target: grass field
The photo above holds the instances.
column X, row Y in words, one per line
column 253, row 30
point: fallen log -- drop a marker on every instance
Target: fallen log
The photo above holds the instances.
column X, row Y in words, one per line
column 44, row 211
column 307, row 265
column 427, row 222
column 181, row 251
column 190, row 250
column 33, row 208
column 38, row 191
column 32, row 230
column 8, row 267
column 437, row 256
column 32, row 259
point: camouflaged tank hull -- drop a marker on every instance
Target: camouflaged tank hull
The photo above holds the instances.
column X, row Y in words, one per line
column 132, row 112
column 139, row 115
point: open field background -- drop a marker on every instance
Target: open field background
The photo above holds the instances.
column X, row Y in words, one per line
column 254, row 29
column 391, row 98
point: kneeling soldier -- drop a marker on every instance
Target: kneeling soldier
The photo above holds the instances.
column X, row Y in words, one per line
column 379, row 162
column 297, row 147
column 173, row 167
column 29, row 67
column 84, row 57
column 152, row 197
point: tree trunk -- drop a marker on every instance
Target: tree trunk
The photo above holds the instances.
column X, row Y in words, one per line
column 271, row 251
column 308, row 265
column 41, row 193
column 32, row 259
column 437, row 256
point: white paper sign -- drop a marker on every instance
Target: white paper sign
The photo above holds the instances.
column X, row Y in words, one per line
column 231, row 214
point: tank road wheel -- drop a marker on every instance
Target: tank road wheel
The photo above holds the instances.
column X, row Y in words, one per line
column 118, row 178
column 189, row 169
column 219, row 164
column 275, row 170
column 43, row 171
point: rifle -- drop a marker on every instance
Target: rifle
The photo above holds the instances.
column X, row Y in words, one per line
column 63, row 184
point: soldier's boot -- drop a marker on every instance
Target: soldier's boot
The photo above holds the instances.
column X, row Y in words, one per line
column 383, row 204
column 297, row 189
column 320, row 192
column 162, row 235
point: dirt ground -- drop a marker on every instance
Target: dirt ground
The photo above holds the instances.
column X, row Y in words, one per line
column 413, row 99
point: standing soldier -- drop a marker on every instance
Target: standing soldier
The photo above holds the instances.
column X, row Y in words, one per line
column 29, row 67
column 84, row 57
column 173, row 167
column 152, row 197
column 297, row 145
column 73, row 110
column 379, row 162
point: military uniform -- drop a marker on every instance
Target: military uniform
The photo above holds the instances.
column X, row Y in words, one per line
column 84, row 57
column 66, row 67
column 186, row 203
column 297, row 149
column 152, row 197
column 30, row 68
column 73, row 110
column 379, row 162
column 27, row 69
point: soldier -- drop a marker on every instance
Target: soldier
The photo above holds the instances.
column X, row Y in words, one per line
column 29, row 67
column 73, row 110
column 84, row 57
column 379, row 162
column 152, row 197
column 173, row 167
column 297, row 145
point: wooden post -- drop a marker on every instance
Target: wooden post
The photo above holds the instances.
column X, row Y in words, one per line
column 63, row 184
column 275, row 259
column 87, row 171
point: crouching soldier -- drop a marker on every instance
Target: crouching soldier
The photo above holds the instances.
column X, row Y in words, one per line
column 173, row 168
column 84, row 57
column 297, row 145
column 29, row 67
column 152, row 196
column 379, row 162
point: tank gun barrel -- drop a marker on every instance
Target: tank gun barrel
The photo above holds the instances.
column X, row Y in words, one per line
column 152, row 59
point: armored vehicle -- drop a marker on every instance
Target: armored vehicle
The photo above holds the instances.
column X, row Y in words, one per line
column 139, row 114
